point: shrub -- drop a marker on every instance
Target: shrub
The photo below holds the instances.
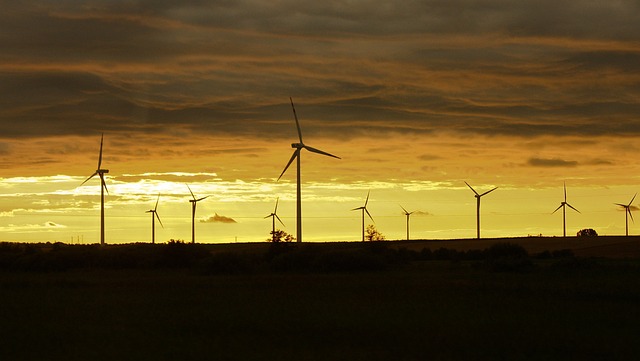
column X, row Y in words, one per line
column 587, row 232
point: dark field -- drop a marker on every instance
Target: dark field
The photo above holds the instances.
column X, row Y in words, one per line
column 412, row 308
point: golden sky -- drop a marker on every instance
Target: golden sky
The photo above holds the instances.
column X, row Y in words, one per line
column 415, row 97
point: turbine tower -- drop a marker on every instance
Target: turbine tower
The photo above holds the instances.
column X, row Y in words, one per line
column 103, row 187
column 478, row 196
column 274, row 216
column 407, row 213
column 194, row 202
column 564, row 205
column 627, row 214
column 154, row 215
column 296, row 155
column 364, row 209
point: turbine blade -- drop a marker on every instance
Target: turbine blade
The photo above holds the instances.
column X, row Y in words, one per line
column 158, row 200
column 357, row 209
column 565, row 191
column 369, row 214
column 297, row 123
column 314, row 150
column 104, row 184
column 621, row 205
column 487, row 192
column 570, row 206
column 198, row 200
column 405, row 211
column 560, row 206
column 367, row 200
column 192, row 195
column 631, row 215
column 295, row 154
column 271, row 215
column 279, row 220
column 157, row 216
column 634, row 197
column 100, row 158
column 276, row 209
column 86, row 180
column 470, row 187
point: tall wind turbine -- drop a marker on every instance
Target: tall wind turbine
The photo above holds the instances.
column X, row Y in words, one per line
column 564, row 205
column 154, row 215
column 296, row 155
column 627, row 213
column 478, row 196
column 364, row 209
column 103, row 187
column 193, row 202
column 274, row 216
column 407, row 213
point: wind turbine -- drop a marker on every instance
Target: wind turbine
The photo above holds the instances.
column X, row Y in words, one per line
column 296, row 155
column 564, row 205
column 407, row 213
column 103, row 187
column 154, row 215
column 364, row 209
column 627, row 213
column 478, row 196
column 193, row 202
column 274, row 216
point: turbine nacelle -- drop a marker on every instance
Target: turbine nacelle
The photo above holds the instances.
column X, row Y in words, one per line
column 297, row 145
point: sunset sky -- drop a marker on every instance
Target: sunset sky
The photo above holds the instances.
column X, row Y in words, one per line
column 416, row 97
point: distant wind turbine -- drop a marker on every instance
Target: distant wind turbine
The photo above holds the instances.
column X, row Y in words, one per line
column 407, row 213
column 154, row 215
column 103, row 187
column 364, row 209
column 564, row 205
column 193, row 202
column 296, row 155
column 274, row 216
column 478, row 196
column 627, row 213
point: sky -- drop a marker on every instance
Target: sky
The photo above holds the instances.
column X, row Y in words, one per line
column 415, row 97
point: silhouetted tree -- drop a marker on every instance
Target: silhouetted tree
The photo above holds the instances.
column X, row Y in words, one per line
column 279, row 235
column 372, row 234
column 587, row 232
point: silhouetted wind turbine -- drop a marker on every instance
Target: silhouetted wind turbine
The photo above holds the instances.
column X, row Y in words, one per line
column 193, row 202
column 154, row 215
column 478, row 196
column 364, row 209
column 274, row 216
column 407, row 213
column 627, row 213
column 564, row 205
column 103, row 187
column 296, row 155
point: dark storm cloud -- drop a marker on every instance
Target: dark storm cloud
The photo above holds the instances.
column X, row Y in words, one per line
column 554, row 162
column 497, row 68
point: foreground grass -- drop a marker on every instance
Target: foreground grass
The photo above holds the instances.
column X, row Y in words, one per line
column 436, row 310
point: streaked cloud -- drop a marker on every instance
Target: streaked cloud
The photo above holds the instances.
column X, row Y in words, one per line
column 554, row 162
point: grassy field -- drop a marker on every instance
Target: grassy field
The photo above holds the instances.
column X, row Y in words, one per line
column 570, row 308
